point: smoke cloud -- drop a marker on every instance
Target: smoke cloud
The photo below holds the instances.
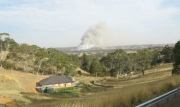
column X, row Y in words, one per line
column 95, row 36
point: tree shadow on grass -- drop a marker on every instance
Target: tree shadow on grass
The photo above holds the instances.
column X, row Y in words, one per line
column 67, row 94
column 37, row 100
column 47, row 100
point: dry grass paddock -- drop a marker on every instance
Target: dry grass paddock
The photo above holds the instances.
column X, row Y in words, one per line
column 127, row 92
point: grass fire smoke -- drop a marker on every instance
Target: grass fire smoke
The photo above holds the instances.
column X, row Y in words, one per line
column 95, row 36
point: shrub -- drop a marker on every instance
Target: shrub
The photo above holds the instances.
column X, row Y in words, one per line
column 7, row 65
column 47, row 89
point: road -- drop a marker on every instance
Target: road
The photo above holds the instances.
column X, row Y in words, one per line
column 2, row 105
column 175, row 102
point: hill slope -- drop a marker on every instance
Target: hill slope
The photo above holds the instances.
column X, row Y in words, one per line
column 13, row 83
column 20, row 86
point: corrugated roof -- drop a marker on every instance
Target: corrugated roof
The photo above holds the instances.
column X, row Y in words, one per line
column 57, row 79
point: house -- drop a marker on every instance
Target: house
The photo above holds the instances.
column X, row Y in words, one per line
column 56, row 81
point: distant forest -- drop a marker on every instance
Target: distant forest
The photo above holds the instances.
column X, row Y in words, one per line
column 36, row 60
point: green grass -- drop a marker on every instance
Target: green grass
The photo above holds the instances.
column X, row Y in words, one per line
column 64, row 89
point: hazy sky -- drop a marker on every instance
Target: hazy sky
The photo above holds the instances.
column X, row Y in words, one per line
column 62, row 23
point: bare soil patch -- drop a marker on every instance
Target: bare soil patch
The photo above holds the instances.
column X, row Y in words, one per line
column 8, row 102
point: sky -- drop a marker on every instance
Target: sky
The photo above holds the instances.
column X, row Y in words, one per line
column 62, row 23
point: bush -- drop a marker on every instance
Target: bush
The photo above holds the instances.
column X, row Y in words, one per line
column 176, row 65
column 47, row 89
column 50, row 90
column 7, row 65
column 79, row 72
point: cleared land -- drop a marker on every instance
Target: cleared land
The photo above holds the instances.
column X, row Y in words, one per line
column 19, row 88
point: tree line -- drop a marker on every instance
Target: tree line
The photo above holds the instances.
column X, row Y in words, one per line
column 37, row 60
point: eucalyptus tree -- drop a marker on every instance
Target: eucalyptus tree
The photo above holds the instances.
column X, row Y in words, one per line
column 116, row 62
column 131, row 62
column 9, row 44
column 156, row 58
column 75, row 59
column 143, row 59
column 1, row 40
column 176, row 65
column 167, row 53
column 121, row 58
column 25, row 54
column 70, row 71
column 40, row 56
column 86, row 61
column 108, row 61
column 59, row 61
column 95, row 67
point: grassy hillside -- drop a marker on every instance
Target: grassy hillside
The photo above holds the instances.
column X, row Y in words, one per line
column 128, row 91
column 13, row 83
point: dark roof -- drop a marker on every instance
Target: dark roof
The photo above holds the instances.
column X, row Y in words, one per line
column 57, row 79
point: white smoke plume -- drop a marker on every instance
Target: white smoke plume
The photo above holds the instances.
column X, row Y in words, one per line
column 95, row 36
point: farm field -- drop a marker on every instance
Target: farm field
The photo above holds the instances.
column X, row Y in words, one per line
column 18, row 89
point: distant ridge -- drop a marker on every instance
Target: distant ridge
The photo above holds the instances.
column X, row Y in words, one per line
column 73, row 50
